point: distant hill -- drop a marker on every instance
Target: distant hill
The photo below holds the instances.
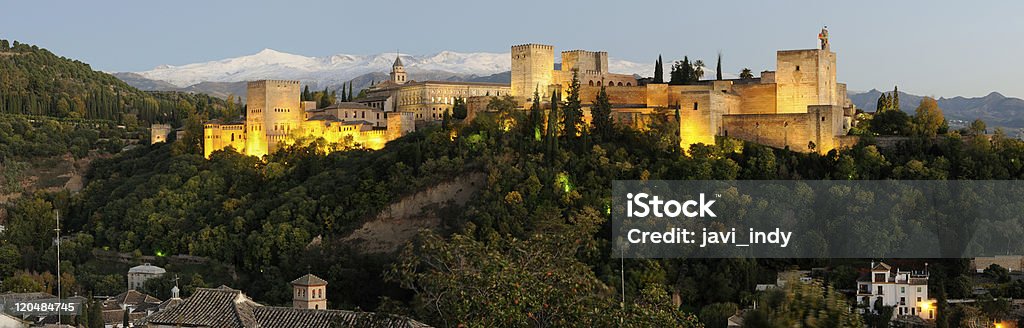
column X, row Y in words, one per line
column 35, row 81
column 995, row 109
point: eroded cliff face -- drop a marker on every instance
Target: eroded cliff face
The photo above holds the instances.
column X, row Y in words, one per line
column 402, row 220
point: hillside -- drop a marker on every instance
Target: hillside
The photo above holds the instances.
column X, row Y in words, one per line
column 35, row 81
column 995, row 109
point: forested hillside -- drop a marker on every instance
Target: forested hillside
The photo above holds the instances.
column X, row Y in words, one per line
column 34, row 81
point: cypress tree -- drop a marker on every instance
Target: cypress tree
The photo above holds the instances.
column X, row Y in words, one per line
column 552, row 128
column 535, row 116
column 659, row 73
column 350, row 94
column 600, row 114
column 305, row 93
column 718, row 69
column 125, row 319
column 895, row 98
column 687, row 70
column 344, row 98
column 573, row 118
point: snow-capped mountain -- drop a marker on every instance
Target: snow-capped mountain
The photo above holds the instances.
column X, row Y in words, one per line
column 340, row 68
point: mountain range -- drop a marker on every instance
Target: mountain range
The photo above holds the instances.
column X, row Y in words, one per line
column 995, row 109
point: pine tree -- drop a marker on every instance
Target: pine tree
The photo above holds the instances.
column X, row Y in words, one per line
column 573, row 119
column 746, row 74
column 659, row 73
column 718, row 69
column 600, row 114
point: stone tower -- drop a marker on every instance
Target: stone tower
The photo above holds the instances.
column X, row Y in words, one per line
column 532, row 66
column 587, row 62
column 273, row 111
column 309, row 292
column 806, row 78
column 398, row 71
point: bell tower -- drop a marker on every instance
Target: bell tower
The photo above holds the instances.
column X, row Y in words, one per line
column 309, row 292
column 398, row 71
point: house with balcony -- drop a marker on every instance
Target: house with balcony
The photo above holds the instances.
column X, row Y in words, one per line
column 905, row 291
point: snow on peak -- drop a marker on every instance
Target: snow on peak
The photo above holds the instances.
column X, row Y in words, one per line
column 336, row 69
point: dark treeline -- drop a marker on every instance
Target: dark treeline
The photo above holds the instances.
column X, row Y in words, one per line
column 34, row 81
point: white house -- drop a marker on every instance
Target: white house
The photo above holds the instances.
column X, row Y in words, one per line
column 138, row 275
column 905, row 291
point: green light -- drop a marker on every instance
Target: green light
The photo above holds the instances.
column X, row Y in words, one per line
column 160, row 253
column 563, row 179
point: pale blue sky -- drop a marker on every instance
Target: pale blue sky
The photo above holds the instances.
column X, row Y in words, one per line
column 939, row 48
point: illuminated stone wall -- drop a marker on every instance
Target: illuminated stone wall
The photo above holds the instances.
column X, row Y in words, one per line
column 532, row 65
column 820, row 125
column 804, row 78
column 429, row 100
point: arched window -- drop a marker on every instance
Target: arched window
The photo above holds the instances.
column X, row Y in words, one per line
column 628, row 84
column 591, row 82
column 598, row 83
column 620, row 84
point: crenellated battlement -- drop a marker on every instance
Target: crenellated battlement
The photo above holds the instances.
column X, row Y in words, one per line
column 528, row 46
column 263, row 83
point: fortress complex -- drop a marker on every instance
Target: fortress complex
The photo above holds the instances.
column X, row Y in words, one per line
column 276, row 117
column 426, row 100
column 799, row 106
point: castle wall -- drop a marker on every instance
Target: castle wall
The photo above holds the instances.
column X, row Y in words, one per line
column 758, row 98
column 821, row 125
column 617, row 95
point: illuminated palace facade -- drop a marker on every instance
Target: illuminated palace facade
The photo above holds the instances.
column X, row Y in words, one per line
column 275, row 117
column 799, row 106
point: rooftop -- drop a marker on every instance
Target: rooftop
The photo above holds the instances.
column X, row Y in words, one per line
column 147, row 269
column 224, row 307
column 309, row 280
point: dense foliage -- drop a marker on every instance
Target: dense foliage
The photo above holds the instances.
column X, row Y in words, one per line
column 530, row 249
column 34, row 81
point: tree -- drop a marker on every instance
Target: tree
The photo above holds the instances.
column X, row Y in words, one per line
column 697, row 71
column 305, row 94
column 883, row 103
column 746, row 74
column 573, row 118
column 600, row 114
column 552, row 128
column 95, row 319
column 534, row 120
column 1000, row 274
column 718, row 68
column 459, row 109
column 680, row 72
column 350, row 91
column 978, row 127
column 928, row 118
column 125, row 321
column 891, row 123
column 659, row 74
column 895, row 98
column 344, row 98
column 717, row 314
column 802, row 305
